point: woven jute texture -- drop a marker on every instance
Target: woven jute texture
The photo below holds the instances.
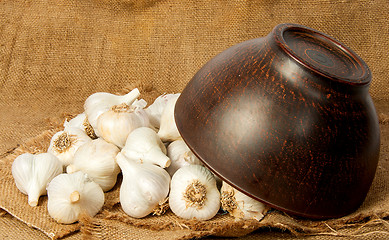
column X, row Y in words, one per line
column 53, row 54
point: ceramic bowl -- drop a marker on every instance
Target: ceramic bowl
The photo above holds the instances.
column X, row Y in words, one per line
column 287, row 119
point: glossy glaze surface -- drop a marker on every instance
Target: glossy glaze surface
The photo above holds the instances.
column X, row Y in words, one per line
column 288, row 120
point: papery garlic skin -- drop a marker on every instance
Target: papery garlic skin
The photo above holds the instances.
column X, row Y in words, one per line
column 139, row 103
column 97, row 159
column 33, row 172
column 144, row 187
column 115, row 124
column 71, row 194
column 180, row 155
column 154, row 111
column 65, row 143
column 168, row 131
column 193, row 193
column 144, row 146
column 240, row 205
column 100, row 102
column 81, row 121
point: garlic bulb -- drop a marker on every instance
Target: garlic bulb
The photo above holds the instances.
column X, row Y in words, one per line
column 100, row 102
column 193, row 193
column 115, row 124
column 97, row 159
column 240, row 205
column 144, row 146
column 168, row 131
column 154, row 111
column 65, row 143
column 69, row 195
column 33, row 172
column 180, row 155
column 81, row 121
column 144, row 188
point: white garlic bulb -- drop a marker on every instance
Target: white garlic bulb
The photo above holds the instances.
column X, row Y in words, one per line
column 69, row 195
column 193, row 193
column 100, row 102
column 144, row 188
column 168, row 131
column 97, row 159
column 33, row 172
column 65, row 143
column 115, row 124
column 144, row 146
column 81, row 121
column 240, row 205
column 180, row 155
column 154, row 111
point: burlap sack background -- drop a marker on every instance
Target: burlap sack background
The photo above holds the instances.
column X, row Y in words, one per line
column 53, row 54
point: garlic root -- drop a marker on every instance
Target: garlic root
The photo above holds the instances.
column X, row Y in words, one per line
column 240, row 205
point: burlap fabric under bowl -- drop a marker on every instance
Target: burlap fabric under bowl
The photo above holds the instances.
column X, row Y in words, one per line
column 53, row 54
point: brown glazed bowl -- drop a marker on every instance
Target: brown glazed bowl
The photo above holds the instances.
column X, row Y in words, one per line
column 286, row 119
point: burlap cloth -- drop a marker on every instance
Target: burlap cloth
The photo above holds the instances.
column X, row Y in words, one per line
column 53, row 54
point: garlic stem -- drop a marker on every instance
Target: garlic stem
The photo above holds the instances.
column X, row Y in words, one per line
column 130, row 97
column 159, row 157
column 71, row 169
column 75, row 197
column 33, row 194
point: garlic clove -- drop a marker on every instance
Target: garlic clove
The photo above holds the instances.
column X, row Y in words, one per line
column 65, row 143
column 144, row 146
column 154, row 111
column 180, row 155
column 97, row 159
column 116, row 124
column 168, row 131
column 144, row 187
column 240, row 205
column 100, row 102
column 33, row 172
column 71, row 194
column 193, row 193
